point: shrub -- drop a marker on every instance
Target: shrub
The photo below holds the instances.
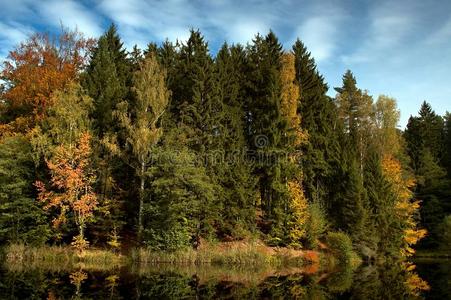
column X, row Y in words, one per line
column 445, row 234
column 341, row 245
column 167, row 240
column 316, row 225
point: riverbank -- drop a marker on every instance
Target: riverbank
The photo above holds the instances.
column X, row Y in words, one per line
column 245, row 254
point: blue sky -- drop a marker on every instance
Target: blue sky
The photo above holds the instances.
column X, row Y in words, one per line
column 399, row 48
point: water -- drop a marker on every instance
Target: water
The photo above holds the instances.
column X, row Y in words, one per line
column 392, row 281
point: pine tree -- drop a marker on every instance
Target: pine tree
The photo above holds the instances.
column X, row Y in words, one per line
column 183, row 194
column 425, row 131
column 354, row 110
column 266, row 125
column 22, row 220
column 425, row 141
column 386, row 238
column 318, row 119
column 350, row 201
column 234, row 172
column 107, row 79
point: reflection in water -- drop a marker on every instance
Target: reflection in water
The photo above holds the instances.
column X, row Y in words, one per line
column 391, row 281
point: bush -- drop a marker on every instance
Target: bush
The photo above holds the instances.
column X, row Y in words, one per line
column 445, row 234
column 316, row 225
column 341, row 245
column 167, row 240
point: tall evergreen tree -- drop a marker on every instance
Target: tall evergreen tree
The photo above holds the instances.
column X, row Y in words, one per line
column 107, row 79
column 22, row 220
column 234, row 171
column 267, row 127
column 425, row 131
column 354, row 110
column 318, row 119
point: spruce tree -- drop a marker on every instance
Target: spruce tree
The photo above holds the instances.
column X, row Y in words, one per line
column 234, row 171
column 22, row 219
column 107, row 79
column 385, row 233
column 355, row 110
column 267, row 128
column 318, row 119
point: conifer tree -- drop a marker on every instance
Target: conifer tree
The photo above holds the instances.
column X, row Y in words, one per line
column 107, row 79
column 22, row 220
column 318, row 119
column 267, row 126
column 234, row 172
column 354, row 110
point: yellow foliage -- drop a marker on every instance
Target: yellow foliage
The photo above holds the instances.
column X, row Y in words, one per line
column 290, row 97
column 406, row 208
column 299, row 212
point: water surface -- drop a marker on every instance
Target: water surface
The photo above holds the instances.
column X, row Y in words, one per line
column 392, row 281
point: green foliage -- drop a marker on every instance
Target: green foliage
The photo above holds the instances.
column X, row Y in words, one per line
column 341, row 245
column 318, row 119
column 316, row 225
column 183, row 199
column 171, row 239
column 107, row 79
column 445, row 234
column 22, row 220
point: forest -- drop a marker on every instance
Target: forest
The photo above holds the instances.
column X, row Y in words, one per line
column 172, row 146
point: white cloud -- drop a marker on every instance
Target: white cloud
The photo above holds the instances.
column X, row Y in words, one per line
column 443, row 35
column 71, row 14
column 320, row 34
column 390, row 23
column 10, row 36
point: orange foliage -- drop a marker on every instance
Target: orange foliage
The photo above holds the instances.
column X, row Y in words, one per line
column 71, row 181
column 406, row 207
column 37, row 68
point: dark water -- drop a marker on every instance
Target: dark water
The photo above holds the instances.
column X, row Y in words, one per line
column 392, row 281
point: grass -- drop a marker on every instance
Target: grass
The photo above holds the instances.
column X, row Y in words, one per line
column 18, row 256
column 226, row 254
column 249, row 255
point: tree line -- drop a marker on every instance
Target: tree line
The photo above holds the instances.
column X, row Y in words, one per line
column 170, row 145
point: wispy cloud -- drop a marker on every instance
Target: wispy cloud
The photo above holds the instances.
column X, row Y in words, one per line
column 320, row 34
column 390, row 23
column 442, row 35
column 11, row 35
column 71, row 14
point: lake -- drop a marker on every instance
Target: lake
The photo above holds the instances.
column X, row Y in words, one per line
column 428, row 280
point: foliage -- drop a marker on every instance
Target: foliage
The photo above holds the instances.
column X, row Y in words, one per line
column 340, row 243
column 71, row 186
column 406, row 209
column 34, row 71
column 299, row 214
column 143, row 131
column 445, row 233
column 316, row 224
column 21, row 217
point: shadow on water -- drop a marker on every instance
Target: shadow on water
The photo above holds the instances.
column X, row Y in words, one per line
column 390, row 281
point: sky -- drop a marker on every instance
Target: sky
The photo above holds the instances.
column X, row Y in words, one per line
column 397, row 48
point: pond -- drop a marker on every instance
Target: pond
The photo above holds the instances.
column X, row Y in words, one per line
column 391, row 281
